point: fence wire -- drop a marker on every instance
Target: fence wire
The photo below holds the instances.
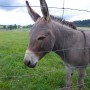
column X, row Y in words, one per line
column 67, row 49
column 49, row 7
column 33, row 75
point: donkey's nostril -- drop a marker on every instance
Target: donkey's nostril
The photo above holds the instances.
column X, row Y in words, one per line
column 26, row 62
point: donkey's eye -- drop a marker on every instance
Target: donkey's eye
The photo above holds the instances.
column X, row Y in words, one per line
column 41, row 37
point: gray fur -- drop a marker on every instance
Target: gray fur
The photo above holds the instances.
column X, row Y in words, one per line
column 67, row 42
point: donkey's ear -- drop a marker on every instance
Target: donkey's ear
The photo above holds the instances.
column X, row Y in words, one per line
column 32, row 13
column 44, row 9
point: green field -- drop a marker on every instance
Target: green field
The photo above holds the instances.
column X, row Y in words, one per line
column 84, row 28
column 49, row 74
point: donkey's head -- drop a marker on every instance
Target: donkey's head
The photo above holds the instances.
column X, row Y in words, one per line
column 41, row 36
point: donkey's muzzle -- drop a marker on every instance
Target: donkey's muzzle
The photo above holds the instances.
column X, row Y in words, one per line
column 30, row 59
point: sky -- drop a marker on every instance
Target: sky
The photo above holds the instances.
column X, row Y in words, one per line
column 20, row 16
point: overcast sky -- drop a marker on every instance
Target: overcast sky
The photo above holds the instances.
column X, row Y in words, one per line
column 19, row 15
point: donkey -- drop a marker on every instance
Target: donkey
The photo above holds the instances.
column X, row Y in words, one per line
column 71, row 45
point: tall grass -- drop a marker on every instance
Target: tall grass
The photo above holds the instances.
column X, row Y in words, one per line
column 49, row 74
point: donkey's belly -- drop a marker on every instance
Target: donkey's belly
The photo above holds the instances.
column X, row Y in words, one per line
column 77, row 57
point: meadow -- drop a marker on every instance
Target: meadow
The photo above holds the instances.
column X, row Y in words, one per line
column 49, row 74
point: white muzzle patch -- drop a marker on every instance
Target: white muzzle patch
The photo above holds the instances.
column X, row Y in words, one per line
column 30, row 59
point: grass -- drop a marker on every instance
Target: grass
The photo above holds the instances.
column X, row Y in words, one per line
column 49, row 74
column 84, row 28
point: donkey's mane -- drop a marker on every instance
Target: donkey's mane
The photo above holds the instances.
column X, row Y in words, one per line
column 59, row 19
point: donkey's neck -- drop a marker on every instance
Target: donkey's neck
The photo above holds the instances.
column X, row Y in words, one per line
column 65, row 36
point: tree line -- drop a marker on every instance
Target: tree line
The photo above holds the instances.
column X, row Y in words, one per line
column 9, row 27
column 13, row 27
column 82, row 23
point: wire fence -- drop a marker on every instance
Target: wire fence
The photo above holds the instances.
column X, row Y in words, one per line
column 33, row 75
column 28, row 75
column 82, row 10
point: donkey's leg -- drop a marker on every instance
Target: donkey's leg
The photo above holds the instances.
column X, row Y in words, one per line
column 81, row 72
column 69, row 72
